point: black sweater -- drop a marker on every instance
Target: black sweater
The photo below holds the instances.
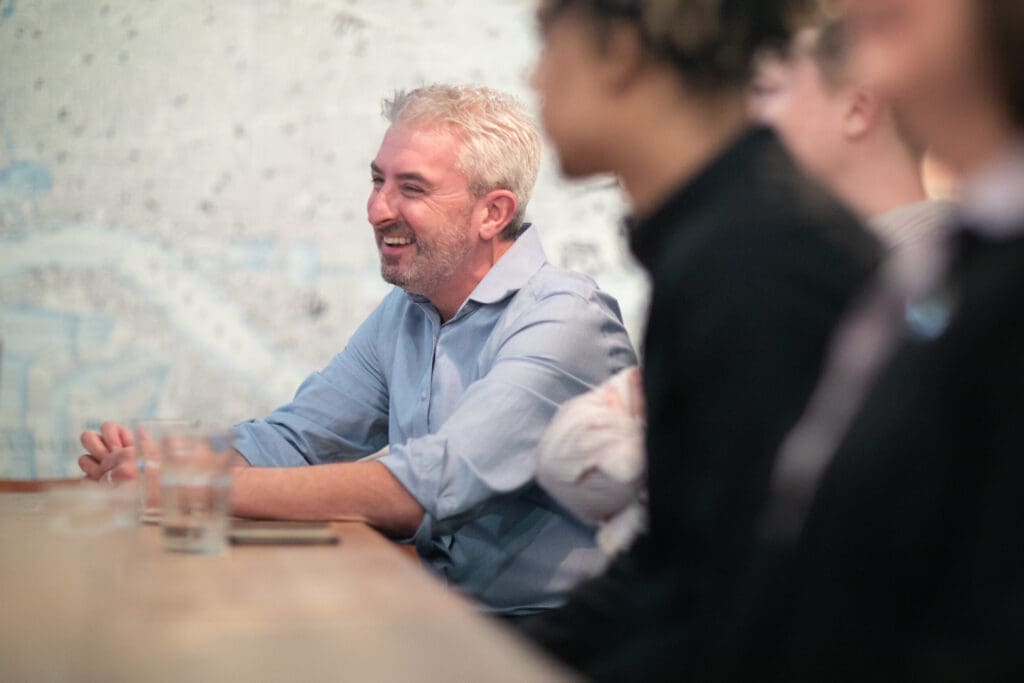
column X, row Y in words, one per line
column 751, row 267
column 912, row 562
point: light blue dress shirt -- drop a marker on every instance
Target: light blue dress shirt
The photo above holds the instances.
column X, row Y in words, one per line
column 462, row 405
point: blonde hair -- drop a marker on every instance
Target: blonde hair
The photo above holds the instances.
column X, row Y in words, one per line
column 500, row 140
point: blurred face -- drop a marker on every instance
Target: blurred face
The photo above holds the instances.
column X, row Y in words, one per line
column 923, row 56
column 420, row 208
column 791, row 95
column 566, row 79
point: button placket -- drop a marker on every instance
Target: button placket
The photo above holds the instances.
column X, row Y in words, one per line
column 428, row 379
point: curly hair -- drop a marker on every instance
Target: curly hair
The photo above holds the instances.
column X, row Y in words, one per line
column 712, row 43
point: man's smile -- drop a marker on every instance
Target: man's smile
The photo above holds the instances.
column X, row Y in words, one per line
column 395, row 244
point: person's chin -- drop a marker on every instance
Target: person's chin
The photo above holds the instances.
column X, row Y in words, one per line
column 401, row 278
column 576, row 167
column 574, row 171
column 391, row 274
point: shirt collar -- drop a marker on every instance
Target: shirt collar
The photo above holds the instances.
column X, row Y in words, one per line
column 515, row 267
column 909, row 223
column 506, row 277
column 993, row 199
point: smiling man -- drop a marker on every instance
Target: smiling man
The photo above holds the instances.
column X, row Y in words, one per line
column 458, row 371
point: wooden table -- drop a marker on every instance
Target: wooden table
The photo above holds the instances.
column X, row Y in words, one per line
column 113, row 606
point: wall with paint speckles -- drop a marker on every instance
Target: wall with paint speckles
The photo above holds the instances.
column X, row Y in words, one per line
column 182, row 191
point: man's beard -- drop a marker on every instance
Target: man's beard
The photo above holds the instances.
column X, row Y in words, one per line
column 434, row 262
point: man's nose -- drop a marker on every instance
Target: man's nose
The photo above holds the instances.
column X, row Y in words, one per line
column 379, row 209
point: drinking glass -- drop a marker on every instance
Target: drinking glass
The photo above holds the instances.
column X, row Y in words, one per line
column 195, row 491
column 148, row 435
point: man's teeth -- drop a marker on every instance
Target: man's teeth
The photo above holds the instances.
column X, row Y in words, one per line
column 397, row 241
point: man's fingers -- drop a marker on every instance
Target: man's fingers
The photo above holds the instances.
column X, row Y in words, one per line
column 127, row 439
column 613, row 400
column 120, row 463
column 91, row 467
column 93, row 443
column 112, row 433
column 116, row 464
column 636, row 381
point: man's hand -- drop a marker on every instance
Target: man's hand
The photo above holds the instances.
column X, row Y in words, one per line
column 626, row 394
column 110, row 453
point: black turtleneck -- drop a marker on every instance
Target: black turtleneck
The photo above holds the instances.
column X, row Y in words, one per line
column 752, row 266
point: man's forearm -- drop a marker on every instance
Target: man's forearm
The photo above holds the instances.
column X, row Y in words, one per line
column 363, row 490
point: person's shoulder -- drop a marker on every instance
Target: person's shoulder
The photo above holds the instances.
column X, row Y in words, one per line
column 763, row 208
column 771, row 224
column 791, row 217
column 556, row 292
column 804, row 203
column 554, row 281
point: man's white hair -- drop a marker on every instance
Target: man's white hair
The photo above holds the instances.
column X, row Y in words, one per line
column 500, row 140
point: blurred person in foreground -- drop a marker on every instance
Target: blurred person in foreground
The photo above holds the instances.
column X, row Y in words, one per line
column 845, row 133
column 751, row 267
column 898, row 554
column 457, row 371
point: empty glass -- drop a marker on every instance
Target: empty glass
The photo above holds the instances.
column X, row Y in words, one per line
column 148, row 435
column 195, row 491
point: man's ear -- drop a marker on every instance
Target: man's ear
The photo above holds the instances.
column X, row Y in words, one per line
column 863, row 112
column 497, row 209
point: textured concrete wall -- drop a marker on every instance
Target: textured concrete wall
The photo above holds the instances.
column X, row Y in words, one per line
column 182, row 192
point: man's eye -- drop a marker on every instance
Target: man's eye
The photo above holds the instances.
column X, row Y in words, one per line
column 377, row 180
column 412, row 189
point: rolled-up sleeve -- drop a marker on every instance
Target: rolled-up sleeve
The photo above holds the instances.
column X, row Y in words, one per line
column 550, row 351
column 338, row 414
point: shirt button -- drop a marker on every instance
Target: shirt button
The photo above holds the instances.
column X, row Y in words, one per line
column 423, row 396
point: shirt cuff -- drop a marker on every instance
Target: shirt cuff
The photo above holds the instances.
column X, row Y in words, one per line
column 253, row 441
column 419, row 483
